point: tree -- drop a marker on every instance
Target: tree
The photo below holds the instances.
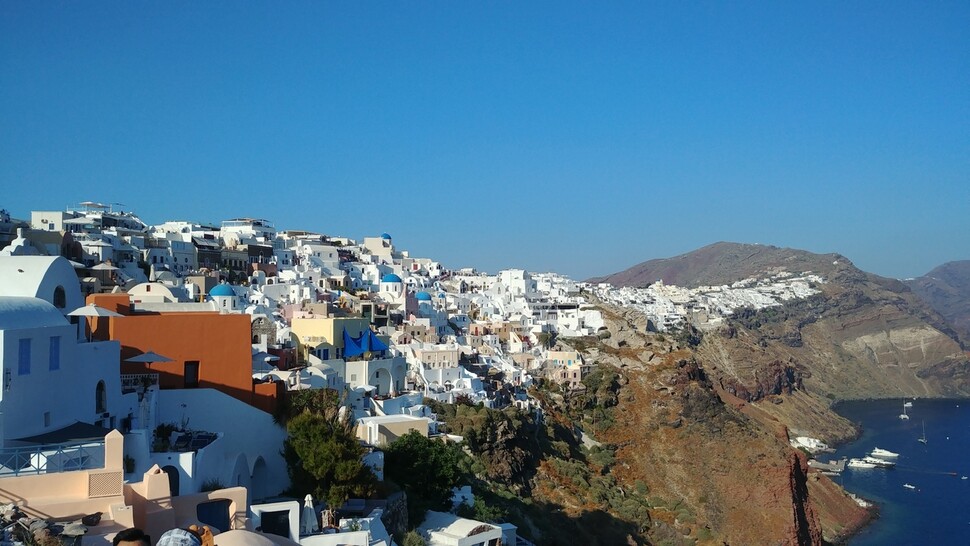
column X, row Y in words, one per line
column 427, row 470
column 324, row 459
column 412, row 538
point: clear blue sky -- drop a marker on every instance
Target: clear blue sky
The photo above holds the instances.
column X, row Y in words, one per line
column 573, row 137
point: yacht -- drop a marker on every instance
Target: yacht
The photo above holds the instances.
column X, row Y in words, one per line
column 909, row 486
column 903, row 414
column 860, row 463
column 881, row 463
column 883, row 453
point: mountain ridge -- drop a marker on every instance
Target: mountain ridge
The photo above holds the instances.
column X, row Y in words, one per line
column 721, row 263
column 862, row 336
column 947, row 290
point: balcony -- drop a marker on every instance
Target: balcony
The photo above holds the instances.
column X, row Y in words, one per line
column 49, row 459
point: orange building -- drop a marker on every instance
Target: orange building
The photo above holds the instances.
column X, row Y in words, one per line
column 208, row 349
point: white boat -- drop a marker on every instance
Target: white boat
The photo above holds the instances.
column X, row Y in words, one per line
column 860, row 463
column 881, row 463
column 922, row 439
column 963, row 477
column 903, row 414
column 877, row 452
column 909, row 486
column 908, row 405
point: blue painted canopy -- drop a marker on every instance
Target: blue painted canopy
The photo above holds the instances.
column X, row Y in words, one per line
column 363, row 343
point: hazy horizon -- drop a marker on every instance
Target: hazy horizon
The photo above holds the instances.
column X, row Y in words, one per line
column 564, row 137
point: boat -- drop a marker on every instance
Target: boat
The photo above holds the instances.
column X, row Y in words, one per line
column 909, row 486
column 881, row 463
column 908, row 405
column 877, row 452
column 903, row 414
column 860, row 463
column 922, row 439
column 963, row 477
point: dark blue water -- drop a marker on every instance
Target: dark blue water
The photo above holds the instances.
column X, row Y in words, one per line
column 938, row 511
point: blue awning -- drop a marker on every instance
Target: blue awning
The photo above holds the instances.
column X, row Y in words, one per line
column 367, row 341
column 376, row 345
column 355, row 346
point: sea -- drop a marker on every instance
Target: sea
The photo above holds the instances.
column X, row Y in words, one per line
column 937, row 510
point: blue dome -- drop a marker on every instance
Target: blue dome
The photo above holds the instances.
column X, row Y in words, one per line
column 385, row 236
column 391, row 277
column 221, row 290
column 441, row 294
column 423, row 296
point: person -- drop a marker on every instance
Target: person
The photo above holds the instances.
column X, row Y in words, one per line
column 179, row 537
column 131, row 537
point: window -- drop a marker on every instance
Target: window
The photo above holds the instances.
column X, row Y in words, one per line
column 100, row 398
column 191, row 374
column 60, row 297
column 23, row 362
column 353, row 377
column 55, row 353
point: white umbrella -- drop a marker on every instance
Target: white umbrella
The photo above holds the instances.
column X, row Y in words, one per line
column 103, row 266
column 149, row 357
column 308, row 520
column 93, row 310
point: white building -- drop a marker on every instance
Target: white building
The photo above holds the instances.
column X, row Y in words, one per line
column 53, row 380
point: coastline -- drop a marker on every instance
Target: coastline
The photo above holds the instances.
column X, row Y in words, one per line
column 874, row 511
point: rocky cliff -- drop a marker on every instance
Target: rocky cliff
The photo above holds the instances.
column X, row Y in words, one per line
column 714, row 463
column 865, row 336
column 947, row 290
column 700, row 420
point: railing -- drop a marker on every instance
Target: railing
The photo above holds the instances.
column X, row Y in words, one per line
column 134, row 382
column 53, row 458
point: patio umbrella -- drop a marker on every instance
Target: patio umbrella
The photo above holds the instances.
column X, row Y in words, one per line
column 308, row 519
column 103, row 267
column 148, row 357
column 93, row 310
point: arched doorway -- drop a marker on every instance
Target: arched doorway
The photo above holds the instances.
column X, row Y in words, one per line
column 173, row 479
column 261, row 485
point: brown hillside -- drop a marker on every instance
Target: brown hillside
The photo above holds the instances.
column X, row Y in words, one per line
column 947, row 290
column 724, row 263
column 714, row 472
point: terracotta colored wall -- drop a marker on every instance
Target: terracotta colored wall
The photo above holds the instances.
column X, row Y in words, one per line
column 220, row 343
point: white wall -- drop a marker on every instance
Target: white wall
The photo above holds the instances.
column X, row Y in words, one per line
column 66, row 394
column 246, row 430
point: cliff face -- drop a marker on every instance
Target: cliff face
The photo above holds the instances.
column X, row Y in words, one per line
column 865, row 336
column 947, row 290
column 714, row 468
column 703, row 418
